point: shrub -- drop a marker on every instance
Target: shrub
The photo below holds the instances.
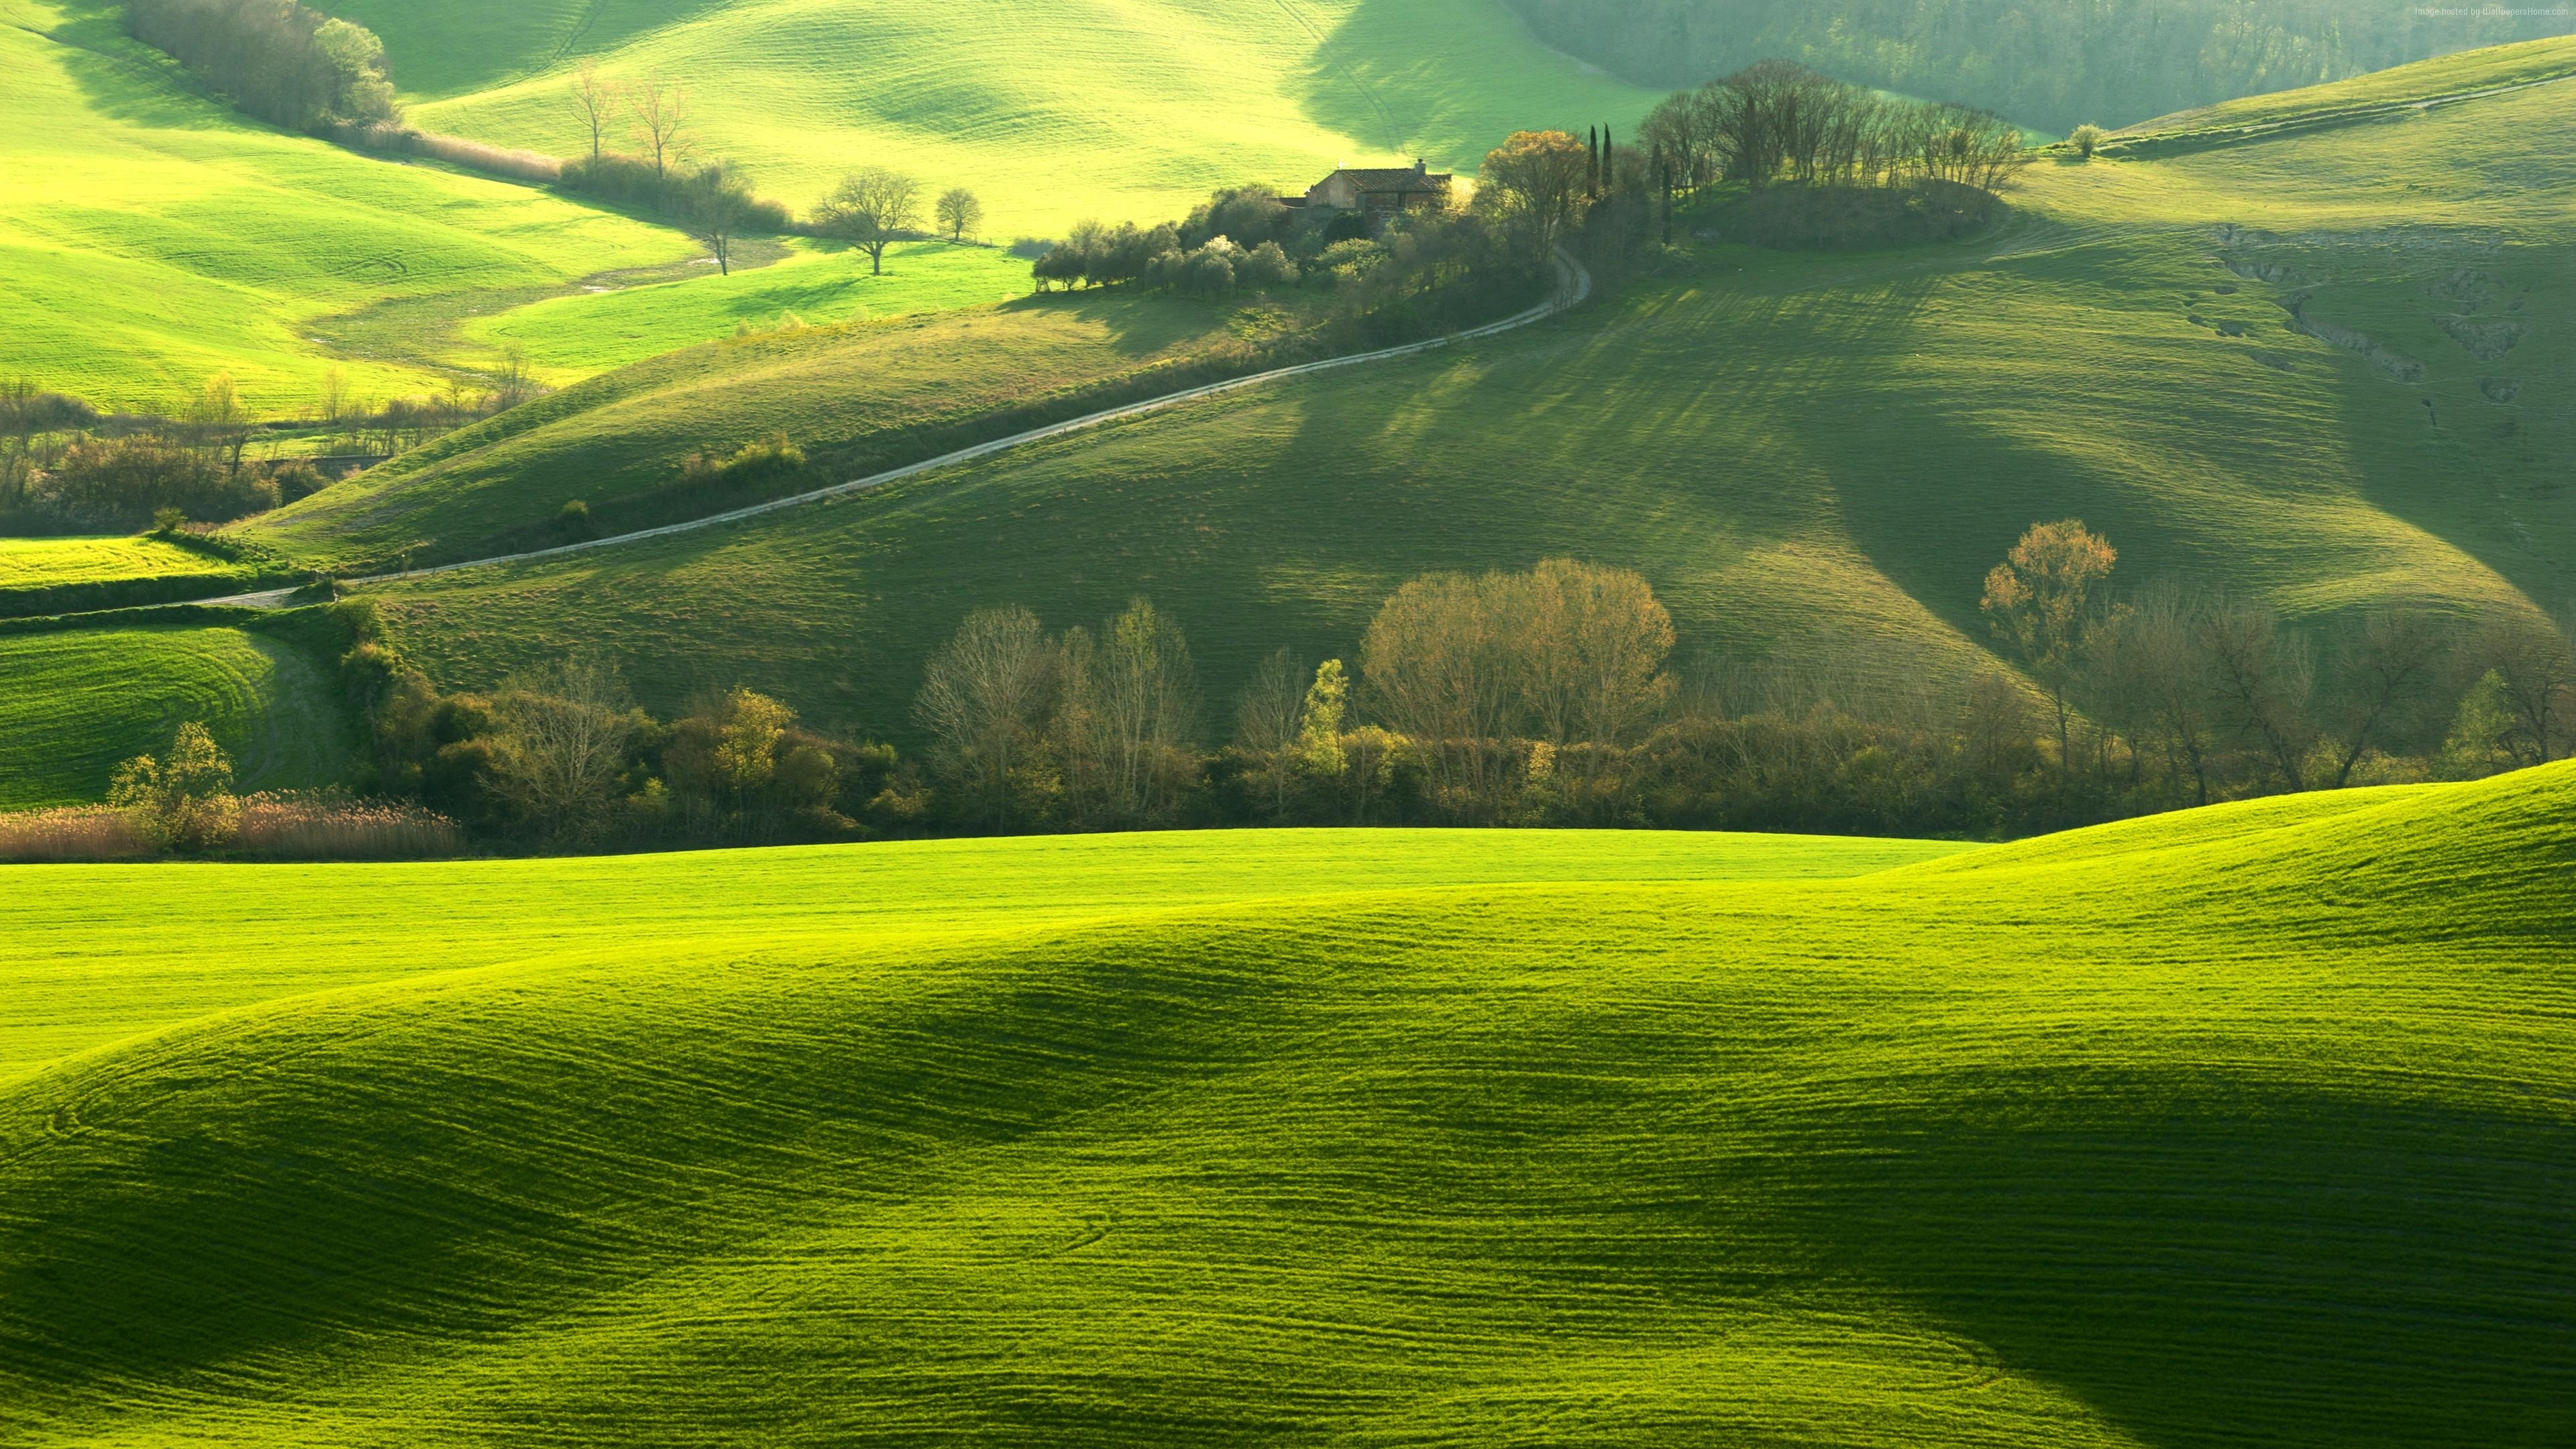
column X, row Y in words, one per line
column 75, row 833
column 631, row 181
column 275, row 59
column 185, row 799
column 771, row 457
column 124, row 482
column 330, row 826
column 573, row 519
column 1265, row 266
column 2086, row 139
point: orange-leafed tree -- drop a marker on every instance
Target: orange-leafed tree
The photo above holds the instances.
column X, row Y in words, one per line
column 2042, row 600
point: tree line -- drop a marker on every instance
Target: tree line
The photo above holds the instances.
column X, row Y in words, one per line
column 1547, row 696
column 280, row 61
column 66, row 466
column 1779, row 121
column 2050, row 65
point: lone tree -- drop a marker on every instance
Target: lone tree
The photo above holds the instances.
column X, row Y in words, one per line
column 2086, row 139
column 958, row 212
column 185, row 799
column 714, row 209
column 659, row 107
column 870, row 210
column 595, row 101
column 2039, row 600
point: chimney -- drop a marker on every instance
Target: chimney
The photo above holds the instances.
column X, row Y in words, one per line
column 1418, row 166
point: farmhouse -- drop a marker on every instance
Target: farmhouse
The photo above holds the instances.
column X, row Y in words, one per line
column 1379, row 192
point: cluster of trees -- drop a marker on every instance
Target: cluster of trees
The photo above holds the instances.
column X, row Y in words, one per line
column 277, row 60
column 1425, row 269
column 1779, row 121
column 2050, row 65
column 561, row 755
column 1549, row 696
column 713, row 202
column 64, row 465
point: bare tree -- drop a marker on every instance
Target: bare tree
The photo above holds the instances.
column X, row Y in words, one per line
column 1136, row 698
column 2157, row 648
column 1593, row 645
column 983, row 699
column 660, row 108
column 2387, row 673
column 714, row 210
column 2263, row 678
column 595, row 100
column 1270, row 719
column 1441, row 666
column 2529, row 654
column 958, row 212
column 561, row 734
column 870, row 210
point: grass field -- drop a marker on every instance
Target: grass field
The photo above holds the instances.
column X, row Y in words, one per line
column 570, row 338
column 2247, row 1125
column 150, row 237
column 857, row 397
column 1052, row 110
column 2461, row 74
column 31, row 563
column 1812, row 458
column 87, row 967
column 76, row 704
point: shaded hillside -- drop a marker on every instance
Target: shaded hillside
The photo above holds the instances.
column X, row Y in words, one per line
column 2055, row 66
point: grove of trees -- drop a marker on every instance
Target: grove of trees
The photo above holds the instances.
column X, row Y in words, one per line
column 1778, row 121
column 2049, row 65
column 280, row 61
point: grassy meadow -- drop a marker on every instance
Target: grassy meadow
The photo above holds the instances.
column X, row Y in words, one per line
column 2247, row 1124
column 35, row 563
column 1813, row 457
column 566, row 339
column 856, row 396
column 77, row 703
column 1051, row 110
column 151, row 237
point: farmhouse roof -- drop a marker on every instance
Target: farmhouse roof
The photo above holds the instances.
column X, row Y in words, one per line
column 1394, row 178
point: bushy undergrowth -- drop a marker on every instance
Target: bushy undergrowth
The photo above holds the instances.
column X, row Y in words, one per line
column 667, row 190
column 276, row 59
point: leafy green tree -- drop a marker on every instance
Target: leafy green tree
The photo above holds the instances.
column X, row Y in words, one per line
column 184, row 800
column 1320, row 721
column 2086, row 139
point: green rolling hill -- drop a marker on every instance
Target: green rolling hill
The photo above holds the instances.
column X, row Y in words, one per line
column 2330, row 369
column 1052, row 110
column 78, row 703
column 2244, row 1125
column 151, row 237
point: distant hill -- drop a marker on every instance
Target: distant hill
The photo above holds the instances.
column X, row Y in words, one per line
column 2114, row 62
column 2244, row 1124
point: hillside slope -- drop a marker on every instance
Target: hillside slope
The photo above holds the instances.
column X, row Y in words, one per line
column 1052, row 110
column 2234, row 1131
column 2331, row 369
column 150, row 237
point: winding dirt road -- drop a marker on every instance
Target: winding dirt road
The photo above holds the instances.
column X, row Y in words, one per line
column 1574, row 286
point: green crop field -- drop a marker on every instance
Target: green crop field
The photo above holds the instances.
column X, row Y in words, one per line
column 1811, row 457
column 2245, row 1125
column 859, row 396
column 88, row 965
column 150, row 237
column 1052, row 110
column 34, row 563
column 2465, row 73
column 569, row 338
column 75, row 704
